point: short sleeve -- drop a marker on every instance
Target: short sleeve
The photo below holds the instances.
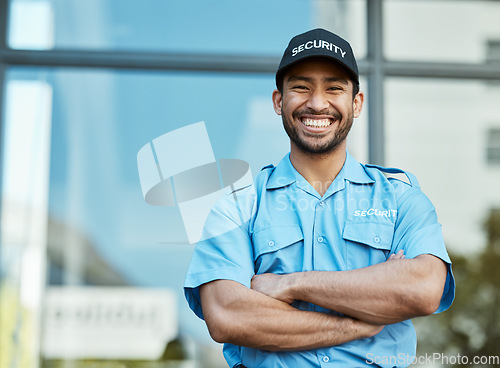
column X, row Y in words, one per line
column 225, row 253
column 418, row 231
column 232, row 355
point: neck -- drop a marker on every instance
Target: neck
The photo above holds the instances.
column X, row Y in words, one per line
column 320, row 170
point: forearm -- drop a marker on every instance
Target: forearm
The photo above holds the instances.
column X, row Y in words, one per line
column 385, row 293
column 241, row 316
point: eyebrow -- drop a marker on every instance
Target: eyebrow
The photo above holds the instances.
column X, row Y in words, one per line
column 325, row 79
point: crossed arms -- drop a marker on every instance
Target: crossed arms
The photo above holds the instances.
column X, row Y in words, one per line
column 262, row 317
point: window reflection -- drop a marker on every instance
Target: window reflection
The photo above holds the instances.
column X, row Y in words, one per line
column 31, row 25
column 222, row 26
column 101, row 233
column 493, row 147
column 457, row 31
column 441, row 130
column 438, row 129
column 257, row 27
column 24, row 209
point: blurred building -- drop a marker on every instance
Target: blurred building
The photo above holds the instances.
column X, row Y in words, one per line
column 84, row 85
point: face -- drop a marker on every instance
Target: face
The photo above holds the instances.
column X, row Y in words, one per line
column 317, row 106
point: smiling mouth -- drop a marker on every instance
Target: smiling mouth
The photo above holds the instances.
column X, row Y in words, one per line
column 316, row 123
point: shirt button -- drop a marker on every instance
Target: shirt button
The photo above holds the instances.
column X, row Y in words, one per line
column 271, row 243
column 322, row 204
column 320, row 239
column 376, row 239
column 326, row 359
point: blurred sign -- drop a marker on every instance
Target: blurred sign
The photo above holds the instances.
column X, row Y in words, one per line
column 108, row 323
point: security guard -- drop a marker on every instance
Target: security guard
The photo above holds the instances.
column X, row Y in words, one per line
column 323, row 261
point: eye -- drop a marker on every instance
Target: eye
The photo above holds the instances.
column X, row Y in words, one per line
column 300, row 87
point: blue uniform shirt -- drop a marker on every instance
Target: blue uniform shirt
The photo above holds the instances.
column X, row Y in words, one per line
column 280, row 224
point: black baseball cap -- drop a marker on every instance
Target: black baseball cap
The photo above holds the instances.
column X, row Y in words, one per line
column 318, row 42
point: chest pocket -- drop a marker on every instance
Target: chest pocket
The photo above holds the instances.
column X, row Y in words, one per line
column 367, row 243
column 278, row 249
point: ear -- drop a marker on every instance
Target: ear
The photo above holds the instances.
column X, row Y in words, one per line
column 357, row 104
column 277, row 101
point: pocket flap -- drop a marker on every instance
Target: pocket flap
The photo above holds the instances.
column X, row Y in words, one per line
column 376, row 235
column 275, row 238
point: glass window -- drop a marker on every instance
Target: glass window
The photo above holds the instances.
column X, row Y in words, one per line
column 101, row 232
column 179, row 26
column 493, row 51
column 346, row 18
column 493, row 147
column 70, row 164
column 24, row 215
column 90, row 125
column 444, row 31
column 437, row 129
column 257, row 27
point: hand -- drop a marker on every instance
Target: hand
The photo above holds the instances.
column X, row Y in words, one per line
column 275, row 286
column 396, row 256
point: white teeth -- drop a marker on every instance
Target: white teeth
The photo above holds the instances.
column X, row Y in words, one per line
column 316, row 123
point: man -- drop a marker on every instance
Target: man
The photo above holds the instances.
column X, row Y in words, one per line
column 322, row 261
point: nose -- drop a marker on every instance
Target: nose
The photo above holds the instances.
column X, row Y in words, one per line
column 318, row 101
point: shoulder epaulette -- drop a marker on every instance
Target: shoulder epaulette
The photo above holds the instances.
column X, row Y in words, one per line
column 393, row 173
column 267, row 167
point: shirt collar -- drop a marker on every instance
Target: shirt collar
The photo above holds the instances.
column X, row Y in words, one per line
column 282, row 175
column 355, row 172
column 285, row 174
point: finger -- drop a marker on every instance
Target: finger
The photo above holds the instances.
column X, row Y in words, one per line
column 396, row 256
column 399, row 255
